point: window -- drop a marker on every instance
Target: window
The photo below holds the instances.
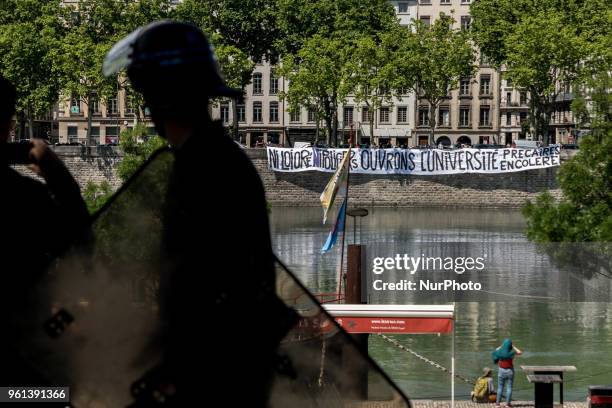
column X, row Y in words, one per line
column 348, row 115
column 423, row 116
column 402, row 7
column 112, row 135
column 257, row 83
column 225, row 113
column 241, row 110
column 366, row 115
column 111, row 106
column 523, row 98
column 465, row 1
column 75, row 105
column 273, row 83
column 402, row 91
column 425, row 1
column 485, row 85
column 95, row 105
column 484, row 60
column 444, row 116
column 384, row 114
column 296, row 115
column 508, row 119
column 509, row 82
column 465, row 22
column 274, row 111
column 523, row 117
column 464, row 87
column 257, row 116
column 426, row 20
column 445, row 1
column 130, row 108
column 94, row 136
column 509, row 98
column 485, row 119
column 402, row 114
column 73, row 134
column 464, row 117
column 311, row 115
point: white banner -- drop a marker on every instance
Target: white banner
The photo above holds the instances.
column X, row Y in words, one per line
column 414, row 161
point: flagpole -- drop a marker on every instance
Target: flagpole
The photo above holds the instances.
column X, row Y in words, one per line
column 348, row 177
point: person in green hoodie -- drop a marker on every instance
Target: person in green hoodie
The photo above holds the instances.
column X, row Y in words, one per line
column 503, row 356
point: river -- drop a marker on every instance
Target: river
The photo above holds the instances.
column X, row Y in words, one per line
column 555, row 333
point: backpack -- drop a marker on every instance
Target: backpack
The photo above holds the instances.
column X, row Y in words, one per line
column 481, row 390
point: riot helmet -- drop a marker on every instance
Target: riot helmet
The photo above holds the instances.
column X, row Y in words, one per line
column 166, row 60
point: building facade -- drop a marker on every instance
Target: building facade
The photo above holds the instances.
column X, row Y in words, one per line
column 470, row 115
column 110, row 116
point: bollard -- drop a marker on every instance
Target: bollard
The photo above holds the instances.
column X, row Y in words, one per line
column 356, row 292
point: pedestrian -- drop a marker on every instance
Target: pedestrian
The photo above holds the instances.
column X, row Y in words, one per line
column 211, row 277
column 484, row 391
column 503, row 356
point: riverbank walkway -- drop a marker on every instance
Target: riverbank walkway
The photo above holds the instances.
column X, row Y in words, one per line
column 470, row 404
column 458, row 404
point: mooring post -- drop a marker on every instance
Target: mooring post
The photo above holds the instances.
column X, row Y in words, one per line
column 355, row 292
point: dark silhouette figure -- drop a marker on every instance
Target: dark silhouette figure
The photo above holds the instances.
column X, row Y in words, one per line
column 221, row 319
column 38, row 220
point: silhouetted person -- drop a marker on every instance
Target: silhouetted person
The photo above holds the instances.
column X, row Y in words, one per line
column 37, row 221
column 221, row 318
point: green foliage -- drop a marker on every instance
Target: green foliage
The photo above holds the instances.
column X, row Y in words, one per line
column 137, row 147
column 95, row 195
column 544, row 45
column 247, row 25
column 30, row 37
column 367, row 72
column 299, row 20
column 319, row 40
column 430, row 60
column 317, row 76
column 585, row 211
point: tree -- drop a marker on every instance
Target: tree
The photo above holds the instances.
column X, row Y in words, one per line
column 137, row 146
column 543, row 55
column 544, row 45
column 237, row 72
column 243, row 33
column 30, row 36
column 317, row 78
column 317, row 40
column 96, row 195
column 93, row 30
column 368, row 73
column 299, row 20
column 585, row 211
column 430, row 60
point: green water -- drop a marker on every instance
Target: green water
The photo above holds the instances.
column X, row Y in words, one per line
column 577, row 334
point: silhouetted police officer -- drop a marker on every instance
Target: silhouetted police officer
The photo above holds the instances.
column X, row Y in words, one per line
column 37, row 221
column 221, row 319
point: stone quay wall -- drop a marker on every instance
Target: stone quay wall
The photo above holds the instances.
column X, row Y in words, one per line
column 509, row 190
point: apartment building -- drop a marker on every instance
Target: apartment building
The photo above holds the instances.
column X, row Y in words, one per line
column 110, row 116
column 470, row 115
column 264, row 118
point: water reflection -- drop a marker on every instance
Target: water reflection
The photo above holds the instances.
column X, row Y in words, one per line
column 577, row 334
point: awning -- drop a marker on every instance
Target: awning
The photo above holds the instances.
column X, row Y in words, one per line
column 386, row 132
